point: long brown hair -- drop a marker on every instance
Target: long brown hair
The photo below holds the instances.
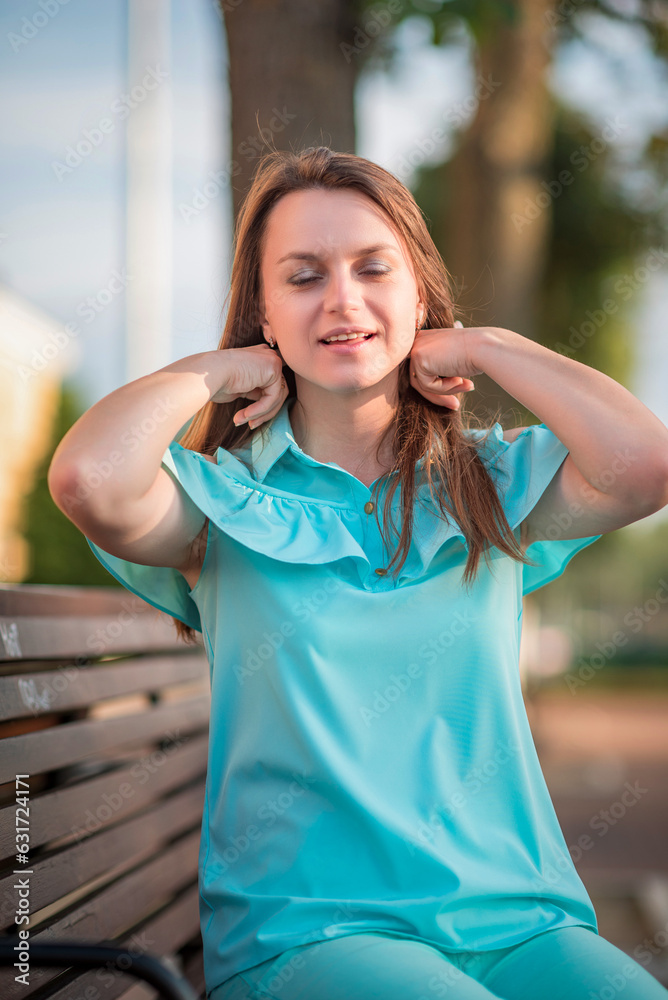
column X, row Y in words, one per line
column 420, row 428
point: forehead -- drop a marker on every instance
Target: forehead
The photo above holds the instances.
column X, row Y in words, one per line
column 327, row 223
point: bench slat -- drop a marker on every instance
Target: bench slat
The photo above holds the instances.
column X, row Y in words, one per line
column 20, row 599
column 74, row 810
column 160, row 936
column 32, row 638
column 68, row 870
column 58, row 746
column 108, row 712
column 36, row 693
column 117, row 907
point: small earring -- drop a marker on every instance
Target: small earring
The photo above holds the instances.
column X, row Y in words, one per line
column 272, row 342
column 417, row 325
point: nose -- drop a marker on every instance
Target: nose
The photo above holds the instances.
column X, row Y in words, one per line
column 342, row 291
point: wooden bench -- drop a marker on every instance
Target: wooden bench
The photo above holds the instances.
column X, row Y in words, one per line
column 104, row 719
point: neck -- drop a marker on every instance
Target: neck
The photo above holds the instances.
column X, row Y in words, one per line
column 344, row 428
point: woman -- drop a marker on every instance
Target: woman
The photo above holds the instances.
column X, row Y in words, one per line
column 376, row 822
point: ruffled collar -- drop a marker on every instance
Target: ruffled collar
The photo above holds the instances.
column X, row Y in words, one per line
column 296, row 526
column 270, row 441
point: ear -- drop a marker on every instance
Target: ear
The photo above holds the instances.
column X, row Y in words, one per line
column 266, row 329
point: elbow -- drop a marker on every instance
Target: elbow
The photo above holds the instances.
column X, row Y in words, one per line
column 662, row 496
column 76, row 492
column 66, row 488
column 653, row 493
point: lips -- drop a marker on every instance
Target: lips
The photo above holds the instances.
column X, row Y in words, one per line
column 348, row 346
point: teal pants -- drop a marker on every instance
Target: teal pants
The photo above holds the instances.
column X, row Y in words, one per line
column 567, row 963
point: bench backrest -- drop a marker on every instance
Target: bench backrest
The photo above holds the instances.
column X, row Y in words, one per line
column 103, row 746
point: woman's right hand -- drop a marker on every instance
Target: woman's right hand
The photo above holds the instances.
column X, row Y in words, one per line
column 256, row 373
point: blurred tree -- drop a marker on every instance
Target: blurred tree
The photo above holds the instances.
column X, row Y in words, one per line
column 59, row 551
column 293, row 68
column 595, row 242
column 292, row 79
column 492, row 203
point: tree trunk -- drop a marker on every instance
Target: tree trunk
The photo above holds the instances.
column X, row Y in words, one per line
column 499, row 216
column 292, row 79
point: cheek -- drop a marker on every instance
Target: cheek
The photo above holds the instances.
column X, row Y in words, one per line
column 277, row 302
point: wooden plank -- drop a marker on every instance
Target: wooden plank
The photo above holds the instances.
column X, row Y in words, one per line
column 93, row 804
column 194, row 972
column 108, row 873
column 20, row 599
column 37, row 638
column 69, row 869
column 140, row 991
column 35, row 693
column 118, row 907
column 60, row 745
column 162, row 935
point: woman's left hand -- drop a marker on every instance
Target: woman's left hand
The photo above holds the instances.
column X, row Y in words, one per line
column 434, row 355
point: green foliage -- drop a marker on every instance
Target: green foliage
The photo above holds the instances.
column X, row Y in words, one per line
column 59, row 552
column 598, row 240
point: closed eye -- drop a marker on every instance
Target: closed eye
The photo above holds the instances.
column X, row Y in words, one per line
column 372, row 270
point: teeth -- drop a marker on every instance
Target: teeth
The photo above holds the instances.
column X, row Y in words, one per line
column 346, row 336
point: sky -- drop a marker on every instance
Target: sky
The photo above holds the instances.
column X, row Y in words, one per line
column 62, row 233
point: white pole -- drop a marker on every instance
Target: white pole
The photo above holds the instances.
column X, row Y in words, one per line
column 149, row 188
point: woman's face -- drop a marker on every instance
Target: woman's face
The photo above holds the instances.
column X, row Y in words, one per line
column 333, row 263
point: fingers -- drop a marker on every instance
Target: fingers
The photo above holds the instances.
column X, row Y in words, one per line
column 453, row 383
column 271, row 400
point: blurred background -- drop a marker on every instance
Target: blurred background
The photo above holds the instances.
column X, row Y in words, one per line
column 534, row 135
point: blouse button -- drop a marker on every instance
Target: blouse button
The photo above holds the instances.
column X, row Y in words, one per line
column 380, row 572
column 368, row 507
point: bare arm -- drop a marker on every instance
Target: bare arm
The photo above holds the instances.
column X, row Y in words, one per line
column 106, row 473
column 617, row 469
column 115, row 449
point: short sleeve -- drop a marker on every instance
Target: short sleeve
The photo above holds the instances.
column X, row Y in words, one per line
column 522, row 470
column 163, row 587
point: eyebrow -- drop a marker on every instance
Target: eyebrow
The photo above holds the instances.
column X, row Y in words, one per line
column 365, row 251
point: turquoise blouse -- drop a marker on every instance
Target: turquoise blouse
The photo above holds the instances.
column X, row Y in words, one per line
column 371, row 765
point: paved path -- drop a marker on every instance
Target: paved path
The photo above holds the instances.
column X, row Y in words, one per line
column 605, row 759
